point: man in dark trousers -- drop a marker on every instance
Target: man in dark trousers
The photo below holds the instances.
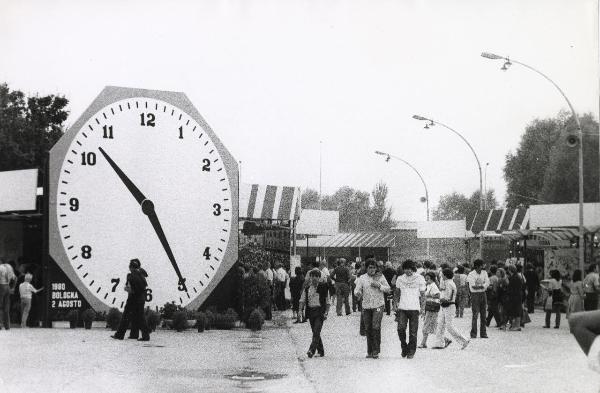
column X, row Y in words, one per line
column 533, row 284
column 134, row 307
column 315, row 300
column 341, row 276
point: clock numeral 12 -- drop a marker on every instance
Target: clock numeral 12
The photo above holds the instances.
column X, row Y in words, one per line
column 108, row 132
column 88, row 158
column 147, row 119
column 115, row 281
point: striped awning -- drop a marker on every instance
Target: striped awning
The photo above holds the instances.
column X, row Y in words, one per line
column 498, row 220
column 352, row 240
column 267, row 202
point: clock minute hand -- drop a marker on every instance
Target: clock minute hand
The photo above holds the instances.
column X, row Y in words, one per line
column 137, row 194
column 148, row 209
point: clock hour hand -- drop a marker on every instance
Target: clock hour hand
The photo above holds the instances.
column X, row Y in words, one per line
column 148, row 209
column 137, row 194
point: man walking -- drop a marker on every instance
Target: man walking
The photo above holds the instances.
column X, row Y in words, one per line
column 478, row 283
column 315, row 300
column 389, row 274
column 533, row 284
column 134, row 307
column 410, row 287
column 8, row 281
column 341, row 276
column 371, row 289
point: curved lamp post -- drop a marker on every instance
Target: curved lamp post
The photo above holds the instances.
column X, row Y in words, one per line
column 430, row 123
column 388, row 156
column 507, row 63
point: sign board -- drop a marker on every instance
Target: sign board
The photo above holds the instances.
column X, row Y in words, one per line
column 564, row 260
column 18, row 190
column 542, row 243
column 318, row 222
column 563, row 215
column 441, row 229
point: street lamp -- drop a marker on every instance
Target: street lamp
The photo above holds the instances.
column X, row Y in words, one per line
column 485, row 190
column 387, row 159
column 570, row 142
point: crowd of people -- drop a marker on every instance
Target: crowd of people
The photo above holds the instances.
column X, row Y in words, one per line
column 16, row 292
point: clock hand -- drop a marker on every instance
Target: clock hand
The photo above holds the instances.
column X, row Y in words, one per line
column 147, row 209
column 137, row 194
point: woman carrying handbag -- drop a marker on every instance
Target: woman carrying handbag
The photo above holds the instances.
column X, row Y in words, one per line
column 431, row 308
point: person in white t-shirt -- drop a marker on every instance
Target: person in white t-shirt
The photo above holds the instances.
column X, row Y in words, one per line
column 26, row 290
column 412, row 288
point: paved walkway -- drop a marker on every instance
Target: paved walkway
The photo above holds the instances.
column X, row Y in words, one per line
column 65, row 360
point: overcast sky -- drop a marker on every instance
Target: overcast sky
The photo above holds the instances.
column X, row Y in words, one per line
column 273, row 78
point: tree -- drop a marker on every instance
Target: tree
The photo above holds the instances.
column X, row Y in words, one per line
column 381, row 215
column 29, row 127
column 544, row 168
column 456, row 206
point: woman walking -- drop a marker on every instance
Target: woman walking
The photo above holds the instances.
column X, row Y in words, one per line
column 502, row 296
column 446, row 315
column 514, row 301
column 577, row 294
column 431, row 308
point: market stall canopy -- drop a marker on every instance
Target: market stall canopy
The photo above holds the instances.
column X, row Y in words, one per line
column 318, row 222
column 18, row 190
column 353, row 240
column 267, row 202
column 441, row 229
column 498, row 220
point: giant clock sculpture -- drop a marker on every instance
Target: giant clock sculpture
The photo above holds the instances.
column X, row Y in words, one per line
column 142, row 176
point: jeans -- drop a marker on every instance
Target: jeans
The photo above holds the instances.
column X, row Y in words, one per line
column 372, row 321
column 555, row 309
column 25, row 308
column 342, row 291
column 478, row 306
column 408, row 318
column 5, row 305
column 445, row 318
column 316, row 319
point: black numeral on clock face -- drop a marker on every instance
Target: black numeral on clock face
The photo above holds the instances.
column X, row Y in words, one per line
column 206, row 253
column 108, row 132
column 86, row 252
column 147, row 119
column 181, row 132
column 88, row 158
column 206, row 166
column 148, row 294
column 116, row 282
column 73, row 204
column 217, row 208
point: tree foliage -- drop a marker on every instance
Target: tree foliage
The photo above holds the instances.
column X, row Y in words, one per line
column 357, row 213
column 29, row 127
column 545, row 170
column 456, row 206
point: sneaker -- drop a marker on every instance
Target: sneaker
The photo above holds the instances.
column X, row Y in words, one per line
column 321, row 354
column 465, row 344
column 116, row 337
column 546, row 327
column 556, row 327
column 410, row 356
column 422, row 346
column 310, row 354
column 375, row 356
column 144, row 339
column 484, row 336
column 404, row 354
column 369, row 356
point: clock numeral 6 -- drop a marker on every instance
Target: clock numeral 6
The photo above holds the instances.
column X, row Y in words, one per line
column 148, row 294
column 108, row 132
column 217, row 208
column 206, row 166
column 88, row 158
column 147, row 119
column 207, row 253
column 86, row 252
column 74, row 204
column 115, row 281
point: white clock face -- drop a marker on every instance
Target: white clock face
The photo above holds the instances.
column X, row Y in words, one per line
column 142, row 180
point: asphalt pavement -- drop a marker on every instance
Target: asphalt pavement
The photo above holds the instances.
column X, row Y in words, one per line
column 274, row 360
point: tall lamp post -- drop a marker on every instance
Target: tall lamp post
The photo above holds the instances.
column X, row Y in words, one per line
column 387, row 159
column 430, row 123
column 485, row 190
column 579, row 142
